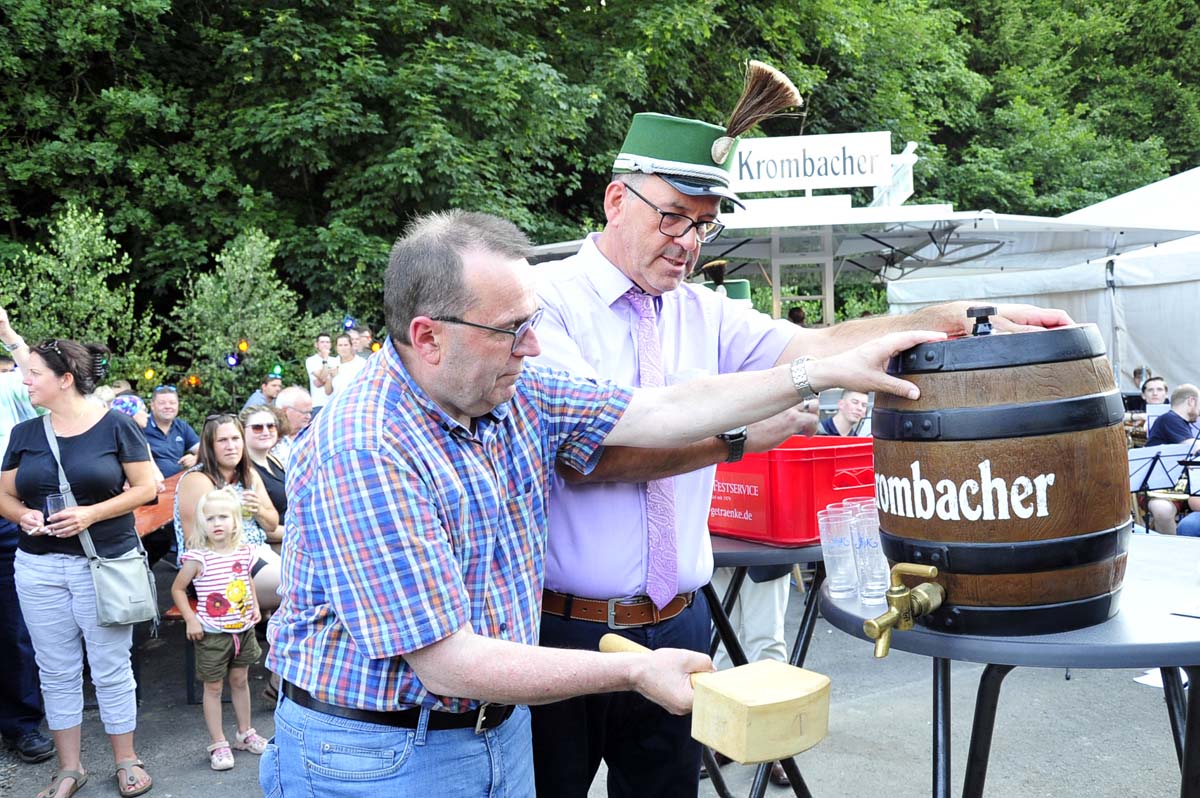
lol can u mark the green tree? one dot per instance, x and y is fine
(242, 299)
(77, 286)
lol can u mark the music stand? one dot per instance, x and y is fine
(1191, 475)
(1159, 467)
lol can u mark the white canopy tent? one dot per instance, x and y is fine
(1144, 299)
(1109, 264)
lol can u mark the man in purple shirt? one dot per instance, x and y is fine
(661, 205)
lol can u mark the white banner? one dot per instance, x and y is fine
(791, 163)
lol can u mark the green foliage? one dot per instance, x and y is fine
(242, 299)
(77, 286)
(328, 125)
(851, 300)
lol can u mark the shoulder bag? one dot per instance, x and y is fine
(125, 589)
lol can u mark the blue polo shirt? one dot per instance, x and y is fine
(167, 449)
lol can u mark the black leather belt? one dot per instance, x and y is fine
(487, 716)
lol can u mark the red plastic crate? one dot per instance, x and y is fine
(774, 497)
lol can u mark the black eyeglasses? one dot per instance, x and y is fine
(268, 426)
(676, 225)
(518, 334)
(165, 389)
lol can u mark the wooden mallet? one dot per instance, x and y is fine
(761, 712)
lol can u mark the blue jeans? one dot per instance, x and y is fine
(317, 754)
(20, 694)
(1189, 525)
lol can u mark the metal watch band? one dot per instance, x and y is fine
(800, 378)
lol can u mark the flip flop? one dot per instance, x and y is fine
(80, 777)
(127, 786)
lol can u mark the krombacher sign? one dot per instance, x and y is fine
(791, 163)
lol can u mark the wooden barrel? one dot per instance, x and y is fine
(1010, 475)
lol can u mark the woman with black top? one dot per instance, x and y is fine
(262, 425)
(100, 450)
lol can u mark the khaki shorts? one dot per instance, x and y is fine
(215, 654)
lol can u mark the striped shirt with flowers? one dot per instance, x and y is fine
(404, 526)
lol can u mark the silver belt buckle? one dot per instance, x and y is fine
(612, 613)
(481, 716)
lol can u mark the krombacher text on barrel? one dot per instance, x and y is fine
(988, 498)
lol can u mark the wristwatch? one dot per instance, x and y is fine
(800, 378)
(735, 439)
(14, 346)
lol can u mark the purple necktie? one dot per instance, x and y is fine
(662, 574)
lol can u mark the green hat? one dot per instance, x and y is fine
(695, 157)
(681, 152)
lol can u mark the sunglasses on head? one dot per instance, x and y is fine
(165, 389)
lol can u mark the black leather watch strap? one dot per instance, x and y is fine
(735, 439)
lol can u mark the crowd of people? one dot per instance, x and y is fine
(117, 450)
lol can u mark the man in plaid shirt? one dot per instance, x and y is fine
(406, 640)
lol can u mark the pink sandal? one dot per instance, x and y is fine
(219, 756)
(251, 741)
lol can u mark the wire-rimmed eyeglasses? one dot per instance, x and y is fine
(518, 333)
(676, 225)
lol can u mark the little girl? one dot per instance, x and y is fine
(218, 563)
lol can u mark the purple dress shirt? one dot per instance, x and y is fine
(598, 533)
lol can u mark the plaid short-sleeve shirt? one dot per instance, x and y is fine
(404, 526)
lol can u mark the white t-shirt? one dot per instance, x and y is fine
(346, 372)
(313, 365)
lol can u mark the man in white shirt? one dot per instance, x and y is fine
(320, 374)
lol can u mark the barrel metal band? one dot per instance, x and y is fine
(1000, 351)
(1007, 558)
(1037, 619)
(1000, 421)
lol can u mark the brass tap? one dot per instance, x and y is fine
(904, 605)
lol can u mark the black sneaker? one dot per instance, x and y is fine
(32, 746)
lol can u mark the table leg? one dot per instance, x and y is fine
(808, 621)
(1189, 786)
(759, 787)
(714, 772)
(986, 701)
(941, 728)
(720, 618)
(1176, 708)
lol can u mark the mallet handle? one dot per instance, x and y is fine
(615, 644)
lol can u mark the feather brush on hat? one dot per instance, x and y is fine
(767, 92)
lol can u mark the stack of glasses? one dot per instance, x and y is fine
(850, 547)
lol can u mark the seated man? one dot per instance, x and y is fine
(1154, 391)
(852, 408)
(1174, 427)
(173, 442)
